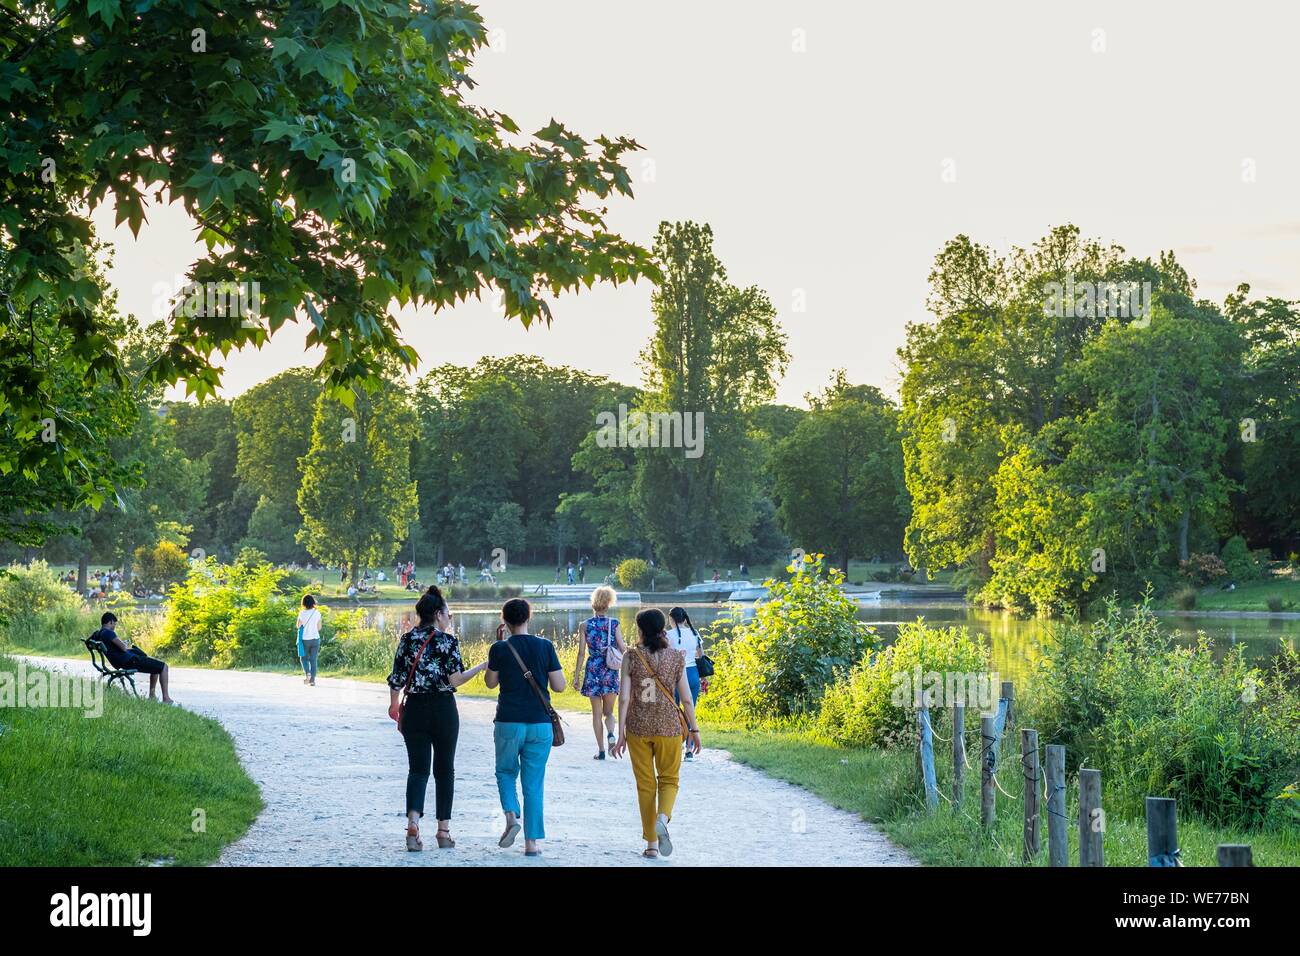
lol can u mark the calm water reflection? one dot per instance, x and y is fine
(1015, 642)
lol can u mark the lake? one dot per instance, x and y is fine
(1013, 640)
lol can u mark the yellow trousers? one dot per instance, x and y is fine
(656, 764)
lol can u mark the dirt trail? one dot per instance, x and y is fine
(332, 769)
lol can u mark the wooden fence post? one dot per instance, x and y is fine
(1234, 854)
(1029, 760)
(928, 778)
(1058, 838)
(1092, 819)
(987, 805)
(1162, 832)
(958, 752)
(1009, 692)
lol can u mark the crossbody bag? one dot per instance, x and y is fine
(557, 737)
(401, 706)
(681, 714)
(613, 656)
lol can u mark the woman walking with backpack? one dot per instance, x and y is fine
(604, 645)
(651, 726)
(427, 669)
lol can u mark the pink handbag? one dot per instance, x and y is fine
(613, 656)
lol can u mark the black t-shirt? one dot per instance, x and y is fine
(516, 701)
(114, 653)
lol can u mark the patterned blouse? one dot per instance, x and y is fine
(440, 660)
(650, 712)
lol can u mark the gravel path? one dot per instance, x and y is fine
(332, 769)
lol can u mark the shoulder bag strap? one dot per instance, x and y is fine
(681, 714)
(528, 676)
(411, 673)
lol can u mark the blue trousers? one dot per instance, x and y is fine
(311, 650)
(522, 752)
(693, 679)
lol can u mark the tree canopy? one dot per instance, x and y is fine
(326, 151)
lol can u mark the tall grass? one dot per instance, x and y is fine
(1157, 719)
(883, 787)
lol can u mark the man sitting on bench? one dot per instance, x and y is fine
(119, 655)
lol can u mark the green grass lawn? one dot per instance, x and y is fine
(122, 789)
(530, 576)
(882, 787)
(1281, 585)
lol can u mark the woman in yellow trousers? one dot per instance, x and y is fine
(651, 726)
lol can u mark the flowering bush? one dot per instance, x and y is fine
(1203, 569)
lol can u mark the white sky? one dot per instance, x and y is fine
(820, 171)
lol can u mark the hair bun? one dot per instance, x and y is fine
(433, 589)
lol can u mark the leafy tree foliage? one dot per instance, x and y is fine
(839, 475)
(358, 499)
(1059, 453)
(716, 350)
(327, 151)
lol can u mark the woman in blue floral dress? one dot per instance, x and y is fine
(599, 681)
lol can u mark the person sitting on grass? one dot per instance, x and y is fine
(131, 658)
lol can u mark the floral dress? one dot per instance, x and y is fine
(598, 678)
(439, 661)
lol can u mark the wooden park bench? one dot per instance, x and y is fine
(122, 676)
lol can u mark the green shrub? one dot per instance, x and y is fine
(776, 665)
(1184, 598)
(251, 557)
(1163, 720)
(1203, 569)
(300, 582)
(1276, 604)
(56, 630)
(662, 580)
(470, 592)
(633, 574)
(1241, 564)
(164, 564)
(874, 704)
(350, 645)
(33, 588)
(229, 615)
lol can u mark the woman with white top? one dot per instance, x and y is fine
(683, 638)
(309, 638)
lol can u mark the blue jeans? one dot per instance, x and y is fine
(310, 649)
(522, 752)
(693, 679)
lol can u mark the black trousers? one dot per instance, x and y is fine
(430, 727)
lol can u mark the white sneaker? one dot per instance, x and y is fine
(665, 844)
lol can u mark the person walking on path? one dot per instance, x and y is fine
(427, 669)
(309, 639)
(522, 731)
(651, 726)
(600, 676)
(684, 639)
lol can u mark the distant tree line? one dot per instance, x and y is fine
(506, 454)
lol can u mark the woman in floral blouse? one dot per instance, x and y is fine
(429, 667)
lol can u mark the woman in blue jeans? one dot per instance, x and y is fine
(522, 730)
